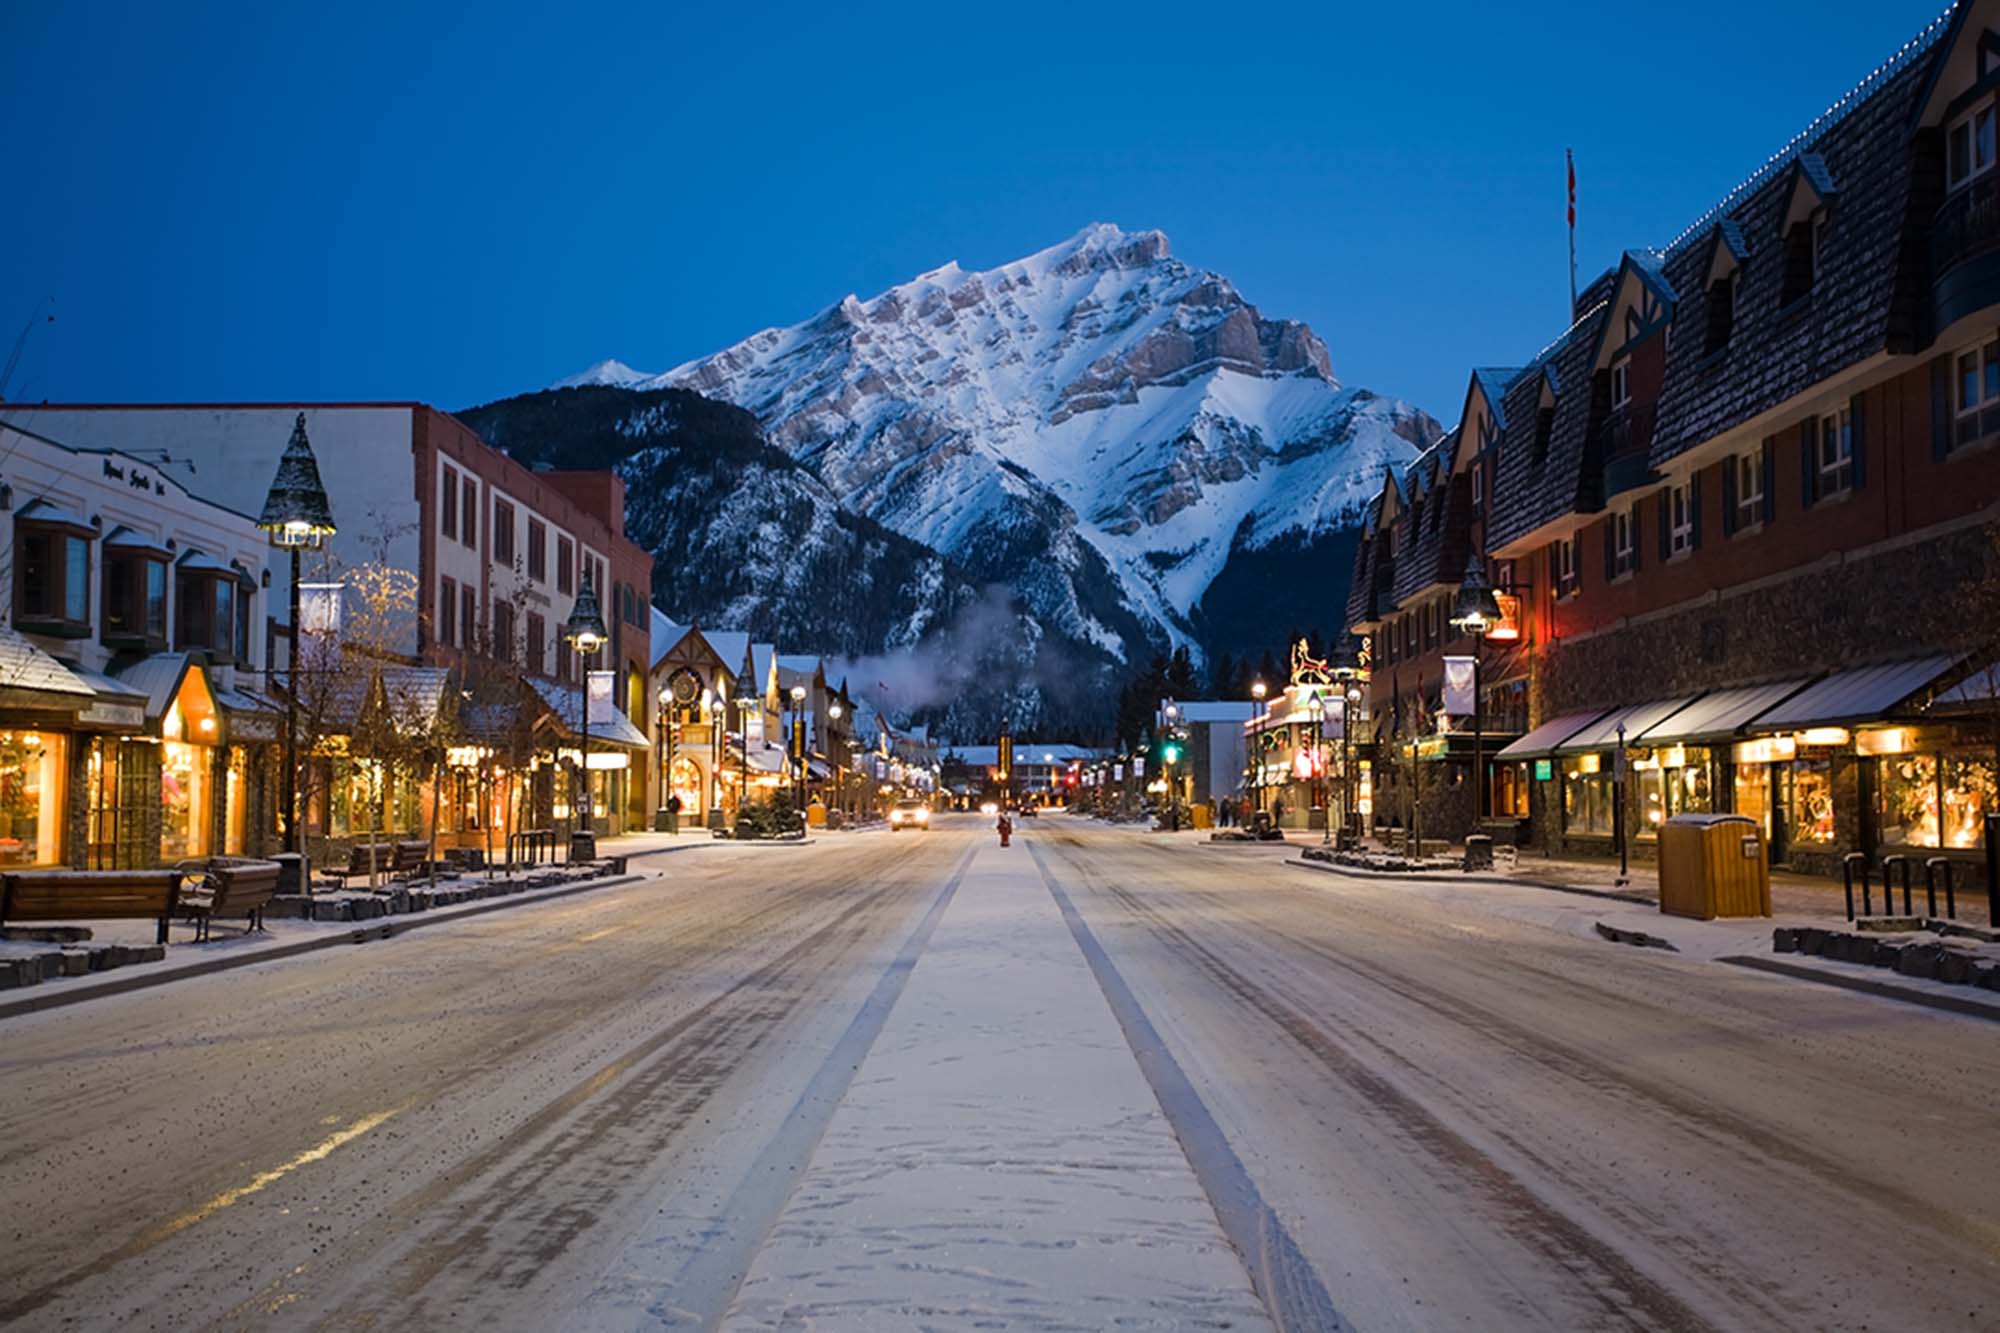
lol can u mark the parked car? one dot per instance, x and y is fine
(909, 814)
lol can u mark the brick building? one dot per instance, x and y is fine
(1743, 506)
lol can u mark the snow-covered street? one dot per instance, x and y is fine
(1096, 1079)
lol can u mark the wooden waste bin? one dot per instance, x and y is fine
(1714, 865)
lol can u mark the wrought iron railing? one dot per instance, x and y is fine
(1967, 225)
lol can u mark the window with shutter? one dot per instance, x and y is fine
(1680, 521)
(1834, 463)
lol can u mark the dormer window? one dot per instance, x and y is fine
(1803, 227)
(1721, 313)
(1621, 385)
(52, 564)
(1478, 484)
(1802, 249)
(1970, 147)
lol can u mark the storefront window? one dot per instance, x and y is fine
(30, 798)
(1809, 811)
(1587, 796)
(1969, 796)
(1909, 800)
(1753, 794)
(184, 796)
(1670, 782)
(123, 775)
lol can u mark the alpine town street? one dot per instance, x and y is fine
(1099, 1078)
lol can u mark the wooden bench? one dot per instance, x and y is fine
(412, 855)
(228, 886)
(90, 895)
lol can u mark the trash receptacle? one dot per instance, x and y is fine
(1714, 865)
(1204, 815)
(1478, 852)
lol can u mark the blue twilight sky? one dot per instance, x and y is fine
(367, 200)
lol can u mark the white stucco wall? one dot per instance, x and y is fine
(364, 453)
(149, 499)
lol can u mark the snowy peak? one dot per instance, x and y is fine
(609, 371)
(1099, 425)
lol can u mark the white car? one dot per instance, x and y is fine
(909, 814)
(990, 808)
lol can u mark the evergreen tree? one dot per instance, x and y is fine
(1222, 677)
(1180, 681)
(1267, 671)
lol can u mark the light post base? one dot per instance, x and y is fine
(582, 845)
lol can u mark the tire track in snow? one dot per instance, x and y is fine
(1283, 1277)
(1624, 1292)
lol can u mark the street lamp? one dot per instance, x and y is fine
(1316, 709)
(1258, 689)
(834, 713)
(663, 757)
(1351, 813)
(1476, 612)
(585, 633)
(296, 516)
(799, 746)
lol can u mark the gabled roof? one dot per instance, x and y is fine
(667, 634)
(731, 645)
(158, 678)
(1492, 382)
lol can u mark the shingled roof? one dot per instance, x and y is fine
(1867, 292)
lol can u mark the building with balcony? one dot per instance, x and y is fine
(1744, 505)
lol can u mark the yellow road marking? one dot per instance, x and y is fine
(264, 1179)
(599, 934)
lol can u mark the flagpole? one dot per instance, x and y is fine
(1569, 160)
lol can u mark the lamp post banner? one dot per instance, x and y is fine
(1458, 686)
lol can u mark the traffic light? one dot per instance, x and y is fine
(1171, 753)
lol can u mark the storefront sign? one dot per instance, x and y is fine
(1508, 628)
(103, 713)
(1545, 770)
(1433, 747)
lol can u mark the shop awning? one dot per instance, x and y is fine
(1864, 694)
(1544, 739)
(1603, 733)
(1717, 715)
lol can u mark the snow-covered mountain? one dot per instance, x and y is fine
(1099, 426)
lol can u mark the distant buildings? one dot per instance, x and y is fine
(1741, 512)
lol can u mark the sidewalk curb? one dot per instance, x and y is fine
(1414, 877)
(390, 927)
(1950, 1004)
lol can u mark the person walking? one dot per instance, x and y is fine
(1005, 827)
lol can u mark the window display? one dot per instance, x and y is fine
(1670, 782)
(1908, 802)
(1587, 796)
(30, 813)
(1932, 800)
(1967, 797)
(1809, 813)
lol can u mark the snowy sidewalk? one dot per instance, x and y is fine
(999, 1158)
